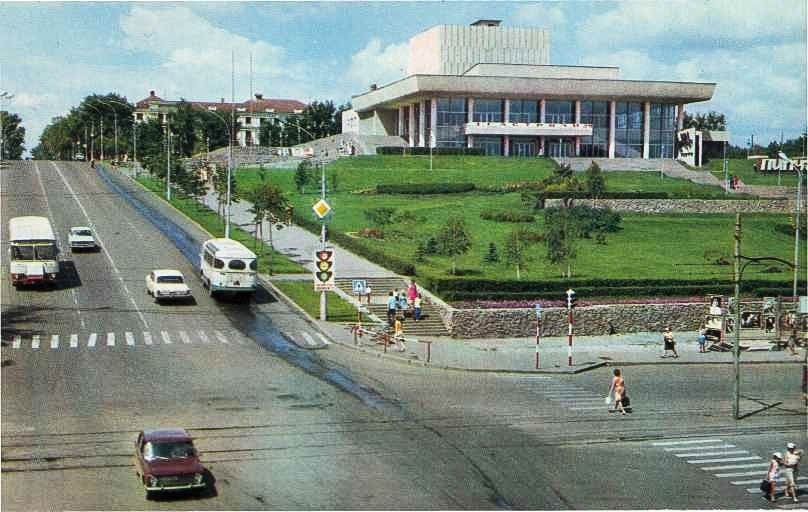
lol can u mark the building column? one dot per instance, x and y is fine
(400, 121)
(470, 139)
(646, 130)
(507, 118)
(506, 145)
(541, 145)
(541, 111)
(612, 108)
(680, 116)
(433, 123)
(700, 144)
(412, 125)
(421, 123)
(578, 121)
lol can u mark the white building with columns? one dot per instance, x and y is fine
(492, 87)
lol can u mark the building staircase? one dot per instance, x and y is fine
(430, 324)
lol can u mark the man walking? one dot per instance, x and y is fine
(392, 302)
(670, 344)
(791, 464)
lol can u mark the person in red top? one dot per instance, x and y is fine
(412, 292)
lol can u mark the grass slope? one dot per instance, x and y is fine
(303, 294)
(745, 170)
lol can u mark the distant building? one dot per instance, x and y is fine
(493, 87)
(250, 115)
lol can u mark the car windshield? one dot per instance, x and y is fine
(169, 450)
(82, 232)
(170, 279)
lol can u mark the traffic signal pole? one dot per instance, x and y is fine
(323, 297)
(570, 303)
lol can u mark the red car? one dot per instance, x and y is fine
(166, 460)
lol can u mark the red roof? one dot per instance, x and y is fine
(278, 104)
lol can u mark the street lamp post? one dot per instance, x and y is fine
(229, 167)
(101, 117)
(782, 156)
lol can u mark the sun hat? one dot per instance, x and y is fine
(791, 446)
(777, 455)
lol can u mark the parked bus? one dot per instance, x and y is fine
(227, 266)
(32, 250)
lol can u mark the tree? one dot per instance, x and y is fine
(595, 182)
(303, 175)
(271, 133)
(220, 187)
(184, 123)
(269, 204)
(709, 121)
(190, 181)
(515, 250)
(491, 256)
(560, 238)
(453, 239)
(13, 136)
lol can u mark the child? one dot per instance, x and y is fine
(702, 339)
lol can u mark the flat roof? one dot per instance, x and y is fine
(228, 248)
(30, 228)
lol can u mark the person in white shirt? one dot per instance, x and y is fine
(791, 464)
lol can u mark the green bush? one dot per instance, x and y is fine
(397, 150)
(380, 216)
(424, 188)
(506, 216)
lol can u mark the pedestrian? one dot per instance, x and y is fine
(417, 305)
(392, 305)
(402, 303)
(792, 343)
(618, 387)
(368, 293)
(670, 344)
(702, 339)
(772, 475)
(791, 465)
(398, 334)
(412, 292)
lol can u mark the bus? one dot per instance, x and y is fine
(227, 266)
(32, 251)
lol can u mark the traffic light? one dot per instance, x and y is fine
(324, 275)
(572, 299)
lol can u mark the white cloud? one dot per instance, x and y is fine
(378, 64)
(540, 15)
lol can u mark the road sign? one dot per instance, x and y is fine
(324, 270)
(359, 286)
(538, 311)
(321, 208)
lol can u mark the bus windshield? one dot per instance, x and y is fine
(33, 252)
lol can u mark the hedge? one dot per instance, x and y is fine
(397, 265)
(398, 150)
(424, 188)
(506, 216)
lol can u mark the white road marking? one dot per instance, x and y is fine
(110, 339)
(711, 454)
(54, 341)
(184, 337)
(91, 340)
(204, 337)
(737, 466)
(325, 340)
(577, 400)
(761, 472)
(147, 339)
(779, 480)
(17, 342)
(590, 408)
(756, 490)
(166, 337)
(309, 340)
(76, 302)
(569, 393)
(683, 448)
(35, 341)
(130, 338)
(698, 441)
(74, 341)
(729, 459)
(220, 337)
(91, 225)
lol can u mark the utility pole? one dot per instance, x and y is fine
(230, 136)
(168, 158)
(102, 138)
(323, 296)
(736, 351)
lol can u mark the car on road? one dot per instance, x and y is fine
(167, 284)
(166, 460)
(81, 237)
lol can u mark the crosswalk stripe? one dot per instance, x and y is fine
(589, 408)
(110, 339)
(737, 466)
(577, 400)
(756, 490)
(696, 441)
(220, 337)
(147, 339)
(309, 340)
(166, 337)
(729, 459)
(570, 393)
(325, 340)
(184, 337)
(17, 342)
(746, 473)
(35, 341)
(683, 448)
(203, 337)
(130, 338)
(74, 341)
(91, 340)
(757, 481)
(710, 454)
(54, 341)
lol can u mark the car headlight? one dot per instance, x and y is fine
(153, 481)
(198, 478)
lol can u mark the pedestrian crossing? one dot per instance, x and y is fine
(128, 339)
(565, 394)
(309, 340)
(727, 461)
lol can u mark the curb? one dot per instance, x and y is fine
(300, 311)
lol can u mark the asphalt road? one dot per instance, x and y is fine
(279, 427)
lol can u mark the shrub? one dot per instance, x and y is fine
(431, 246)
(380, 216)
(491, 256)
(424, 188)
(506, 216)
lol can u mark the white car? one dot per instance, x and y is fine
(167, 285)
(81, 237)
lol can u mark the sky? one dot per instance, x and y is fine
(52, 54)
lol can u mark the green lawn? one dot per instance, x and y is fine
(303, 294)
(269, 261)
(648, 246)
(745, 170)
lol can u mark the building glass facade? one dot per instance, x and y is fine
(428, 123)
(663, 130)
(595, 113)
(524, 111)
(488, 110)
(628, 128)
(523, 146)
(452, 115)
(559, 112)
(492, 145)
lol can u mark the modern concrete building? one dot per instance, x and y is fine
(492, 87)
(250, 114)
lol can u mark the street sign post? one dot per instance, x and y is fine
(571, 301)
(324, 270)
(538, 331)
